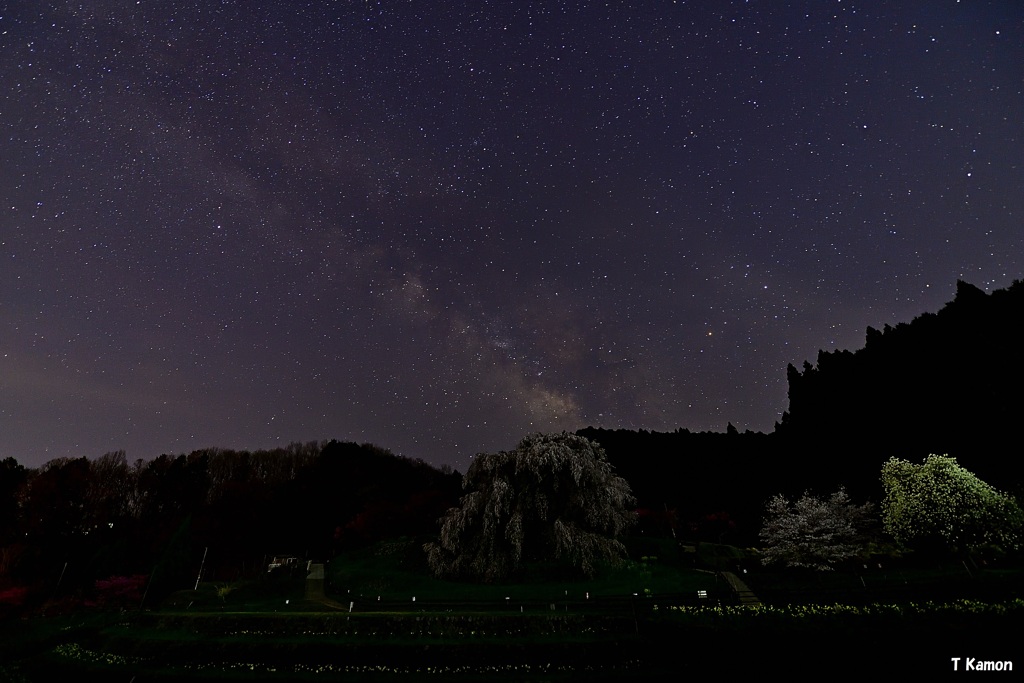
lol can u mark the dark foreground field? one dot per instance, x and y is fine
(641, 622)
(656, 645)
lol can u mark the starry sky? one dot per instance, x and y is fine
(440, 226)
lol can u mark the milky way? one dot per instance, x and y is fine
(441, 226)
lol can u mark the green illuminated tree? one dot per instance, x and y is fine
(813, 532)
(940, 505)
(555, 497)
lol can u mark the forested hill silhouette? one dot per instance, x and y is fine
(309, 500)
(947, 382)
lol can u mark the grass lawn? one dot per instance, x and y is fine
(396, 572)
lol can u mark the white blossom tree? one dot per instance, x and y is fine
(813, 532)
(940, 505)
(555, 497)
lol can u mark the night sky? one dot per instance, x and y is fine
(440, 226)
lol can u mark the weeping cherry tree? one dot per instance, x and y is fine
(555, 497)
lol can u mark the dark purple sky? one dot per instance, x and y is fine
(440, 226)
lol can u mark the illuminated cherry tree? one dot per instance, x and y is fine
(813, 532)
(555, 497)
(940, 505)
